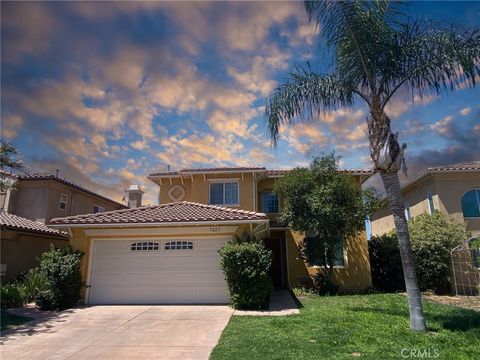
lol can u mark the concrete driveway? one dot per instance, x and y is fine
(120, 332)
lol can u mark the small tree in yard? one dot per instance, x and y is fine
(327, 206)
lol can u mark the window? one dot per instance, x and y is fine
(408, 213)
(224, 193)
(431, 206)
(269, 202)
(98, 209)
(340, 256)
(144, 246)
(179, 245)
(63, 201)
(471, 203)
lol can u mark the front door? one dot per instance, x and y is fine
(276, 270)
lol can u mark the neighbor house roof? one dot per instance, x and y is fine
(180, 212)
(40, 176)
(14, 222)
(473, 166)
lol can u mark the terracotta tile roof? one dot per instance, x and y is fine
(281, 172)
(212, 169)
(269, 172)
(41, 176)
(452, 168)
(14, 222)
(166, 213)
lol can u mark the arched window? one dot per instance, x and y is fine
(431, 206)
(144, 246)
(179, 245)
(471, 203)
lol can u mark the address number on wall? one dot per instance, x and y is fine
(215, 229)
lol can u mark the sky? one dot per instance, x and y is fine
(110, 92)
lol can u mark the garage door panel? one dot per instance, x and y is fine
(123, 276)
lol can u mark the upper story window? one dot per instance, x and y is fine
(63, 201)
(179, 245)
(223, 193)
(98, 209)
(408, 213)
(145, 246)
(431, 205)
(269, 202)
(471, 203)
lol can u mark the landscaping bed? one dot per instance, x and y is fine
(346, 327)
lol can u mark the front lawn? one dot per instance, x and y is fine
(8, 320)
(346, 327)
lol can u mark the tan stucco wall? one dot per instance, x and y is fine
(20, 251)
(198, 190)
(354, 276)
(447, 190)
(40, 200)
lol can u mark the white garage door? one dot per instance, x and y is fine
(157, 272)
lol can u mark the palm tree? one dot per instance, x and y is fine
(377, 52)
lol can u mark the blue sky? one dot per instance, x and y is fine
(109, 92)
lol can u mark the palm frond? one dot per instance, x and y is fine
(305, 93)
(425, 58)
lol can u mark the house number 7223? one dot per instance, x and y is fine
(214, 229)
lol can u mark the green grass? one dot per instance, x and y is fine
(8, 320)
(342, 327)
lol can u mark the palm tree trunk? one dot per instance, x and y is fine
(397, 205)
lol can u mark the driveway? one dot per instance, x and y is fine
(120, 332)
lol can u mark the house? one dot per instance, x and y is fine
(22, 242)
(168, 253)
(33, 201)
(451, 189)
(41, 197)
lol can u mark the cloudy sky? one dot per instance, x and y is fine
(109, 92)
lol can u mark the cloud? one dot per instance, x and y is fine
(466, 111)
(11, 124)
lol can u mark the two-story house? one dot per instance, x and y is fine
(168, 253)
(27, 208)
(450, 189)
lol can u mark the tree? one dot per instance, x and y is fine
(327, 206)
(377, 52)
(8, 161)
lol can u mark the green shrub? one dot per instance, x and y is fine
(34, 282)
(432, 237)
(12, 295)
(385, 263)
(61, 267)
(246, 268)
(323, 285)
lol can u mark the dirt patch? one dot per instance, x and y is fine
(466, 302)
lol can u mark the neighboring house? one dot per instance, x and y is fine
(451, 189)
(33, 201)
(168, 253)
(41, 197)
(22, 242)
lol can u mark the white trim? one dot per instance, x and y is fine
(224, 180)
(89, 272)
(161, 231)
(180, 223)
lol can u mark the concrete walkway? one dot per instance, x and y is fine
(119, 332)
(281, 304)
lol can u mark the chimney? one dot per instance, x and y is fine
(134, 196)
